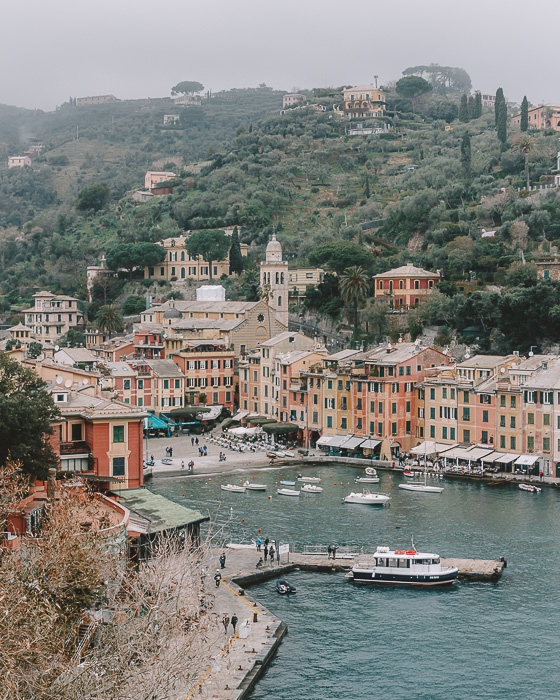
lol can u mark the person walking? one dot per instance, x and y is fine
(196, 441)
(334, 548)
(182, 464)
(171, 452)
(192, 442)
(217, 578)
(225, 623)
(234, 621)
(329, 551)
(271, 554)
(265, 551)
(223, 560)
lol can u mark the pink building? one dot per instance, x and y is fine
(19, 162)
(152, 178)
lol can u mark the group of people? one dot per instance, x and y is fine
(226, 622)
(331, 551)
(222, 456)
(267, 548)
(203, 451)
(169, 452)
(190, 466)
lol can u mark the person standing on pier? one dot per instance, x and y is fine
(271, 554)
(234, 621)
(259, 544)
(223, 560)
(265, 551)
(217, 578)
(225, 623)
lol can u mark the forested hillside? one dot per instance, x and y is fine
(424, 191)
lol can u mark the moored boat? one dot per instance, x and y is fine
(370, 471)
(530, 487)
(311, 488)
(284, 588)
(367, 498)
(287, 492)
(424, 488)
(403, 567)
(233, 487)
(366, 480)
(408, 473)
(309, 479)
(288, 483)
(254, 487)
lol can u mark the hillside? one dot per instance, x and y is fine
(422, 191)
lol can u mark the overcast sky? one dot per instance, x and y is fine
(54, 49)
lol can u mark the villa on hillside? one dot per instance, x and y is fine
(405, 287)
(363, 101)
(19, 162)
(543, 116)
(52, 315)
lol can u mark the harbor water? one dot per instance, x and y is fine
(473, 640)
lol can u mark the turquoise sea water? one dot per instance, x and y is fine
(475, 640)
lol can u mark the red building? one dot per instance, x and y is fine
(405, 287)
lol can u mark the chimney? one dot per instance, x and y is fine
(51, 485)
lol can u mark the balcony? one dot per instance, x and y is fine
(78, 447)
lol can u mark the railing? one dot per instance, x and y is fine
(84, 640)
(321, 550)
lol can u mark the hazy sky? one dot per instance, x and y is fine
(53, 49)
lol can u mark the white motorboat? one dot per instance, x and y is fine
(233, 487)
(289, 453)
(254, 487)
(370, 471)
(279, 454)
(530, 487)
(309, 479)
(403, 567)
(288, 492)
(288, 483)
(312, 488)
(366, 480)
(367, 498)
(423, 488)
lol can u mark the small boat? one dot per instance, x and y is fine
(311, 488)
(424, 488)
(367, 498)
(254, 487)
(288, 483)
(366, 480)
(233, 487)
(284, 588)
(370, 471)
(408, 473)
(288, 492)
(271, 455)
(530, 487)
(288, 453)
(308, 479)
(403, 567)
(166, 460)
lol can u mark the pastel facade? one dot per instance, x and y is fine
(363, 101)
(152, 178)
(95, 100)
(300, 278)
(52, 315)
(179, 265)
(292, 98)
(19, 162)
(543, 116)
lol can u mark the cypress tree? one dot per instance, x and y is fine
(497, 105)
(471, 107)
(466, 154)
(502, 122)
(463, 109)
(478, 105)
(367, 192)
(524, 114)
(235, 257)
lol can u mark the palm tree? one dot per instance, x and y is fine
(354, 288)
(525, 145)
(109, 319)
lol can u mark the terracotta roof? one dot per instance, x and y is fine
(408, 270)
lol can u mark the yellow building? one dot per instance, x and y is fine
(363, 101)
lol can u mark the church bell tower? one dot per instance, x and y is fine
(274, 278)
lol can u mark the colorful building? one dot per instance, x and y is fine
(405, 287)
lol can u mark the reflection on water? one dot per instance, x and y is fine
(472, 641)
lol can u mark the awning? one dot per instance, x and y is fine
(337, 440)
(160, 512)
(352, 442)
(370, 444)
(244, 431)
(477, 453)
(508, 458)
(323, 440)
(430, 448)
(493, 457)
(527, 460)
(458, 453)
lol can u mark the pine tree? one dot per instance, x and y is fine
(466, 154)
(464, 109)
(524, 114)
(235, 257)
